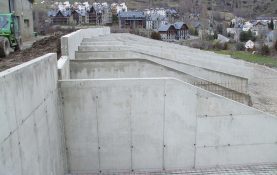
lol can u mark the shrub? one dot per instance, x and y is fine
(219, 28)
(240, 47)
(193, 31)
(215, 35)
(225, 46)
(219, 46)
(245, 36)
(206, 45)
(265, 50)
(209, 37)
(156, 35)
(201, 44)
(196, 32)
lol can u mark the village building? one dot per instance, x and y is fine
(60, 17)
(95, 15)
(79, 17)
(80, 13)
(260, 28)
(106, 14)
(171, 32)
(268, 19)
(181, 30)
(118, 8)
(154, 21)
(167, 32)
(22, 11)
(132, 19)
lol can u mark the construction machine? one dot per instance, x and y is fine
(10, 36)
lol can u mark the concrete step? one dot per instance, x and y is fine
(103, 48)
(104, 54)
(98, 39)
(102, 43)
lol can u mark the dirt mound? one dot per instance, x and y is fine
(51, 44)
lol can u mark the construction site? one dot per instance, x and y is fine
(117, 103)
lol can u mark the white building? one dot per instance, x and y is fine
(247, 26)
(155, 18)
(117, 8)
(154, 21)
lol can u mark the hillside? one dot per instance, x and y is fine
(247, 8)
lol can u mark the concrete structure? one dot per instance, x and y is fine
(23, 10)
(71, 41)
(119, 110)
(32, 138)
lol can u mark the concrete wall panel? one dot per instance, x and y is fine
(236, 130)
(10, 156)
(114, 128)
(211, 105)
(163, 121)
(235, 155)
(147, 125)
(180, 126)
(81, 130)
(29, 101)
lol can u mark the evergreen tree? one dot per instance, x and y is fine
(271, 25)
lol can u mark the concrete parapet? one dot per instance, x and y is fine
(31, 124)
(70, 42)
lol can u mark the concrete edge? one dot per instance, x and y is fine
(63, 67)
(26, 64)
(163, 78)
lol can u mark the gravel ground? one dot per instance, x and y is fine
(263, 88)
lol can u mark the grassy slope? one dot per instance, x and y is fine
(259, 59)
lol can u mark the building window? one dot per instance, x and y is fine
(26, 23)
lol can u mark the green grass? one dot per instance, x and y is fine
(259, 59)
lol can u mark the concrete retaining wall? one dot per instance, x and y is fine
(141, 68)
(70, 42)
(233, 82)
(31, 124)
(156, 124)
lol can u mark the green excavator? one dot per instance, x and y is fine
(10, 36)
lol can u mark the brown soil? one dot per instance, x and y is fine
(46, 45)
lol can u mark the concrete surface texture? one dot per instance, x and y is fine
(231, 81)
(141, 68)
(31, 124)
(63, 68)
(261, 80)
(70, 42)
(129, 104)
(161, 123)
(265, 169)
